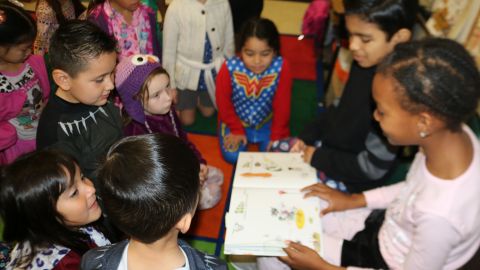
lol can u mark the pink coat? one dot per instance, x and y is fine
(11, 103)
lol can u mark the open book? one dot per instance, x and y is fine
(267, 207)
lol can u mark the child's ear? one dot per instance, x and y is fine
(62, 79)
(184, 224)
(426, 123)
(402, 35)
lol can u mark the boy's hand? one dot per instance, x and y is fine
(298, 146)
(232, 141)
(203, 174)
(308, 153)
(337, 200)
(302, 257)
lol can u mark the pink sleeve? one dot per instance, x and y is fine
(281, 105)
(37, 62)
(10, 105)
(381, 197)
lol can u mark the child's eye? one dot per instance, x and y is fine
(366, 40)
(73, 194)
(99, 80)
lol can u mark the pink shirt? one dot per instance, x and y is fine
(430, 223)
(135, 37)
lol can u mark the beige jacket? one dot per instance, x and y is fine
(186, 23)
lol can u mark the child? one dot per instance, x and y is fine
(154, 208)
(133, 24)
(79, 119)
(24, 85)
(197, 36)
(352, 149)
(50, 14)
(49, 210)
(424, 92)
(253, 91)
(143, 86)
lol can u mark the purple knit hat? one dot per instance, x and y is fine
(130, 75)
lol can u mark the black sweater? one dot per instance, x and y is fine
(353, 149)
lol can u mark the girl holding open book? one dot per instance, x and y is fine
(424, 91)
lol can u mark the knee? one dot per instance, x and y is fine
(187, 119)
(207, 111)
(230, 157)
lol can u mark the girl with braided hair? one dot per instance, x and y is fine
(424, 91)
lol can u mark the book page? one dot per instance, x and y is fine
(263, 170)
(261, 220)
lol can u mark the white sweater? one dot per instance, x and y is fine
(186, 23)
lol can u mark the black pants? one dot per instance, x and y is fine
(363, 250)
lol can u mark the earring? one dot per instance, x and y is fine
(423, 134)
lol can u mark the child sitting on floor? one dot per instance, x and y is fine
(253, 92)
(154, 208)
(144, 86)
(344, 143)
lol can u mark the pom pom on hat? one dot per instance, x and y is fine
(130, 75)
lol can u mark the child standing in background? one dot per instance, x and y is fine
(253, 91)
(79, 119)
(197, 37)
(344, 143)
(50, 14)
(24, 85)
(143, 86)
(50, 212)
(424, 92)
(133, 24)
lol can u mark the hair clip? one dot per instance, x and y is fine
(3, 16)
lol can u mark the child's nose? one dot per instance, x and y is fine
(110, 82)
(354, 44)
(257, 59)
(89, 188)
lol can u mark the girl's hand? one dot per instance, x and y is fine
(337, 200)
(308, 153)
(298, 146)
(203, 173)
(232, 141)
(302, 257)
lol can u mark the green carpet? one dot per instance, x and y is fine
(303, 110)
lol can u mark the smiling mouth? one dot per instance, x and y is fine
(93, 205)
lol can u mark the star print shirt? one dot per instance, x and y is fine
(246, 99)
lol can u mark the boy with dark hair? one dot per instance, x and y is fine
(153, 209)
(345, 143)
(79, 119)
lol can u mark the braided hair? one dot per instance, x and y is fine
(435, 75)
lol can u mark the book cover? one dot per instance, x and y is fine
(267, 207)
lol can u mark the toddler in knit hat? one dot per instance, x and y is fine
(144, 87)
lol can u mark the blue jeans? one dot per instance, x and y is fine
(260, 136)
